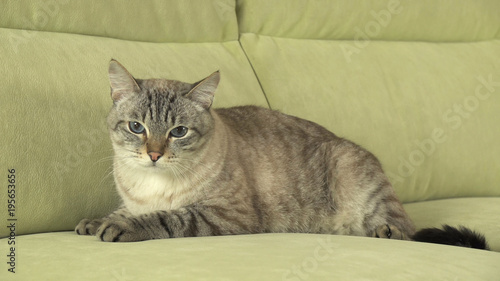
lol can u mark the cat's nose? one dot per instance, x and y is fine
(154, 156)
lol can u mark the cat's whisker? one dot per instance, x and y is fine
(197, 176)
(177, 173)
(105, 159)
(109, 171)
(179, 166)
(184, 172)
(197, 163)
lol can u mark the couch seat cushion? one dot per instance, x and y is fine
(67, 256)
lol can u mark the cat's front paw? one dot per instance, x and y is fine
(119, 231)
(88, 227)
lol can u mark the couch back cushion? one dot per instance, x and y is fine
(55, 92)
(149, 21)
(391, 20)
(415, 82)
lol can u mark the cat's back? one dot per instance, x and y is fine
(257, 123)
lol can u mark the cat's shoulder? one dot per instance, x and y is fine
(261, 117)
(244, 109)
(251, 112)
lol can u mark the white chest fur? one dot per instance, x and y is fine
(147, 191)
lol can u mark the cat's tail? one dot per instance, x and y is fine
(449, 235)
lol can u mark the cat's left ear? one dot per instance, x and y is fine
(203, 91)
(122, 83)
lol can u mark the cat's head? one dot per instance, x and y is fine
(157, 124)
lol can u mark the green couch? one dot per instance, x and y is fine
(415, 82)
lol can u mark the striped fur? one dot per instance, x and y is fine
(237, 171)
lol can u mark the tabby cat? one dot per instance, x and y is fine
(185, 169)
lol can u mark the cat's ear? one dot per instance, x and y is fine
(203, 91)
(122, 83)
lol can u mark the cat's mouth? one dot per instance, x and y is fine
(157, 166)
(153, 165)
(149, 165)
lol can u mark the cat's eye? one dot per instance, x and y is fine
(179, 132)
(136, 127)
